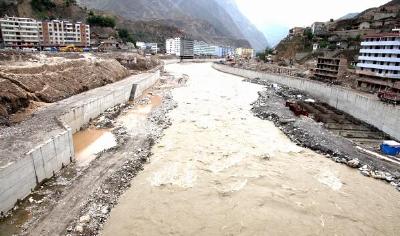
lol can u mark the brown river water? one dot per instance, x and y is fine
(221, 171)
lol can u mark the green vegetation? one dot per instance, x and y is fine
(126, 36)
(263, 55)
(102, 21)
(324, 43)
(42, 5)
(308, 34)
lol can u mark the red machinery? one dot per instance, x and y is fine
(296, 108)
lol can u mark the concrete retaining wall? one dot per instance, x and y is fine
(367, 108)
(112, 95)
(18, 179)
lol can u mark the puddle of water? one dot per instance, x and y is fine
(11, 226)
(209, 175)
(88, 143)
(134, 118)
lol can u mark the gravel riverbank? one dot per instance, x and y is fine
(308, 133)
(90, 191)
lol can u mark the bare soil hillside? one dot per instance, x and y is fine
(40, 78)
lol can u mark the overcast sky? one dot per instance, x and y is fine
(275, 17)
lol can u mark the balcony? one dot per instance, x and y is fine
(385, 51)
(384, 59)
(379, 67)
(381, 75)
(381, 43)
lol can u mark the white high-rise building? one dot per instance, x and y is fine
(170, 46)
(19, 32)
(153, 47)
(199, 47)
(173, 46)
(379, 62)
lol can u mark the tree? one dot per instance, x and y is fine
(42, 5)
(126, 36)
(269, 50)
(324, 43)
(308, 34)
(102, 21)
(261, 55)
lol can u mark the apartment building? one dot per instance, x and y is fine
(153, 47)
(319, 29)
(200, 48)
(296, 31)
(170, 46)
(378, 65)
(186, 48)
(149, 47)
(212, 51)
(248, 53)
(18, 32)
(173, 46)
(62, 33)
(330, 69)
(204, 49)
(228, 51)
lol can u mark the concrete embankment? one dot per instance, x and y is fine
(37, 148)
(367, 108)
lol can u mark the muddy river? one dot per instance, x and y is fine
(221, 171)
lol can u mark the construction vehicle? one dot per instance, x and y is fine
(71, 48)
(389, 97)
(296, 108)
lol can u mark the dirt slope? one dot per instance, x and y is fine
(52, 79)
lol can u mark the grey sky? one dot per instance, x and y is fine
(291, 13)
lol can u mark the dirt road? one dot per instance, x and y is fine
(219, 170)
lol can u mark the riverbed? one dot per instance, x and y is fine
(219, 170)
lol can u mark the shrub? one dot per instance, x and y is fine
(102, 21)
(42, 5)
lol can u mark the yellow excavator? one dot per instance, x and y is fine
(71, 48)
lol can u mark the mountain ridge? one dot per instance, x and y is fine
(223, 15)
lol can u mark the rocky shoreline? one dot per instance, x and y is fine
(308, 133)
(93, 215)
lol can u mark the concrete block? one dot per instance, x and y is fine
(16, 182)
